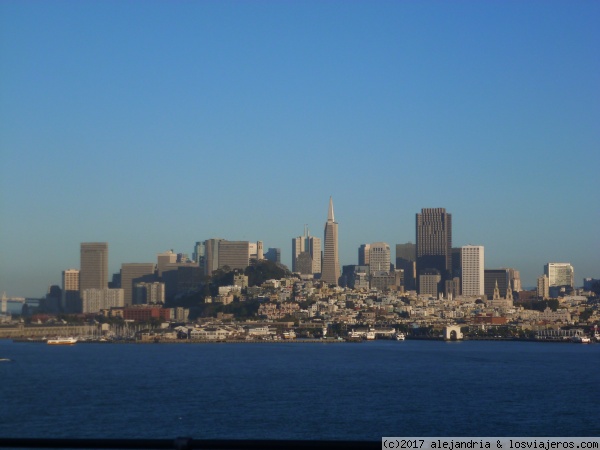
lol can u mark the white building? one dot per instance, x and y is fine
(472, 259)
(95, 300)
(560, 274)
(379, 257)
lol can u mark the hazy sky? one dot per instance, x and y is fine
(151, 125)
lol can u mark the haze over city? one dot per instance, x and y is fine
(154, 125)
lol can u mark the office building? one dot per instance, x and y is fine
(434, 241)
(496, 278)
(406, 257)
(70, 298)
(543, 287)
(148, 293)
(133, 273)
(95, 300)
(379, 257)
(274, 255)
(93, 270)
(560, 274)
(164, 259)
(310, 245)
(331, 263)
(429, 282)
(473, 281)
(363, 254)
(211, 259)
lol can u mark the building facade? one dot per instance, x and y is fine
(560, 274)
(94, 300)
(310, 245)
(70, 298)
(132, 273)
(379, 257)
(93, 270)
(473, 276)
(434, 241)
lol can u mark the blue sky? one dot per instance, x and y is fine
(152, 125)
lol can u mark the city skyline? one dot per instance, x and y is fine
(238, 119)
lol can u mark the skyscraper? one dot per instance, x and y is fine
(434, 241)
(331, 263)
(473, 280)
(560, 274)
(307, 244)
(406, 256)
(133, 273)
(93, 272)
(379, 257)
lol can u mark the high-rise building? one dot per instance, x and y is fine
(70, 300)
(235, 254)
(406, 257)
(496, 278)
(274, 255)
(472, 257)
(434, 241)
(543, 287)
(306, 244)
(93, 273)
(198, 254)
(363, 254)
(94, 300)
(211, 259)
(164, 259)
(133, 273)
(148, 293)
(331, 263)
(560, 274)
(429, 282)
(379, 257)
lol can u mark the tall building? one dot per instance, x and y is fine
(306, 244)
(434, 241)
(560, 274)
(473, 280)
(406, 257)
(70, 300)
(133, 273)
(164, 259)
(94, 300)
(363, 254)
(497, 278)
(331, 263)
(273, 255)
(235, 254)
(93, 273)
(211, 259)
(543, 287)
(198, 254)
(379, 257)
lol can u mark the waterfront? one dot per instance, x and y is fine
(278, 391)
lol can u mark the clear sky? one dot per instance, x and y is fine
(151, 125)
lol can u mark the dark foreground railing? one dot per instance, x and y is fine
(184, 443)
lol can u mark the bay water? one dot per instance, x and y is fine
(284, 390)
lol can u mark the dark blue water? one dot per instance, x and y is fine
(300, 391)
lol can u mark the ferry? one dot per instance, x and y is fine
(291, 334)
(581, 339)
(400, 336)
(62, 341)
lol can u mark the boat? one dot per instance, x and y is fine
(290, 334)
(400, 336)
(370, 335)
(355, 336)
(62, 341)
(5, 360)
(581, 339)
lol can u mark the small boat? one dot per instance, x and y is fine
(5, 360)
(581, 339)
(400, 336)
(62, 341)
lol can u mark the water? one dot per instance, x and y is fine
(300, 391)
